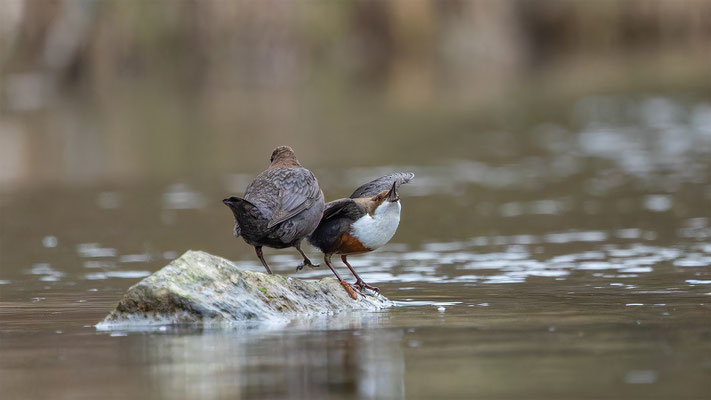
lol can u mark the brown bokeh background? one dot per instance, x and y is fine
(95, 91)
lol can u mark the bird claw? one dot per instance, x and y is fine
(362, 286)
(304, 264)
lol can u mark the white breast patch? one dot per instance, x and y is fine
(375, 231)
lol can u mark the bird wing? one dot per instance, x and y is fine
(383, 183)
(297, 190)
(337, 219)
(347, 208)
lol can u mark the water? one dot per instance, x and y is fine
(568, 259)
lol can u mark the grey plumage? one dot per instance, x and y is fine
(280, 207)
(346, 207)
(281, 193)
(383, 183)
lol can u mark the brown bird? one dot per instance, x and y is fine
(360, 223)
(282, 206)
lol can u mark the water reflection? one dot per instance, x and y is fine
(181, 196)
(48, 274)
(296, 364)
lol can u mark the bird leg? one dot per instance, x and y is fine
(306, 261)
(349, 289)
(359, 282)
(261, 258)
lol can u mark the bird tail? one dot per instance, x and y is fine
(239, 206)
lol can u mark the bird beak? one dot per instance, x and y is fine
(228, 202)
(392, 194)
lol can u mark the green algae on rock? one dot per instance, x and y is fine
(200, 288)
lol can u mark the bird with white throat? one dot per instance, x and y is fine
(363, 222)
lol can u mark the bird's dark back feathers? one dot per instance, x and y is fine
(337, 219)
(283, 192)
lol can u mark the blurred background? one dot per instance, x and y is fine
(560, 211)
(120, 91)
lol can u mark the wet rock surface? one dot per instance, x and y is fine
(200, 288)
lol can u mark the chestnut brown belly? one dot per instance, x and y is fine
(348, 244)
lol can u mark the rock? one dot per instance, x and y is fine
(199, 288)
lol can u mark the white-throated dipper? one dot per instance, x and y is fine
(282, 206)
(360, 223)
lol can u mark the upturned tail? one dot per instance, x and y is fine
(239, 207)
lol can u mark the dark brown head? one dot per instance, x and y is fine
(284, 156)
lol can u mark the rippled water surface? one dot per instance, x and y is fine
(569, 260)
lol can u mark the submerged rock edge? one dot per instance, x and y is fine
(199, 288)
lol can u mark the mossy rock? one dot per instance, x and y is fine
(200, 288)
